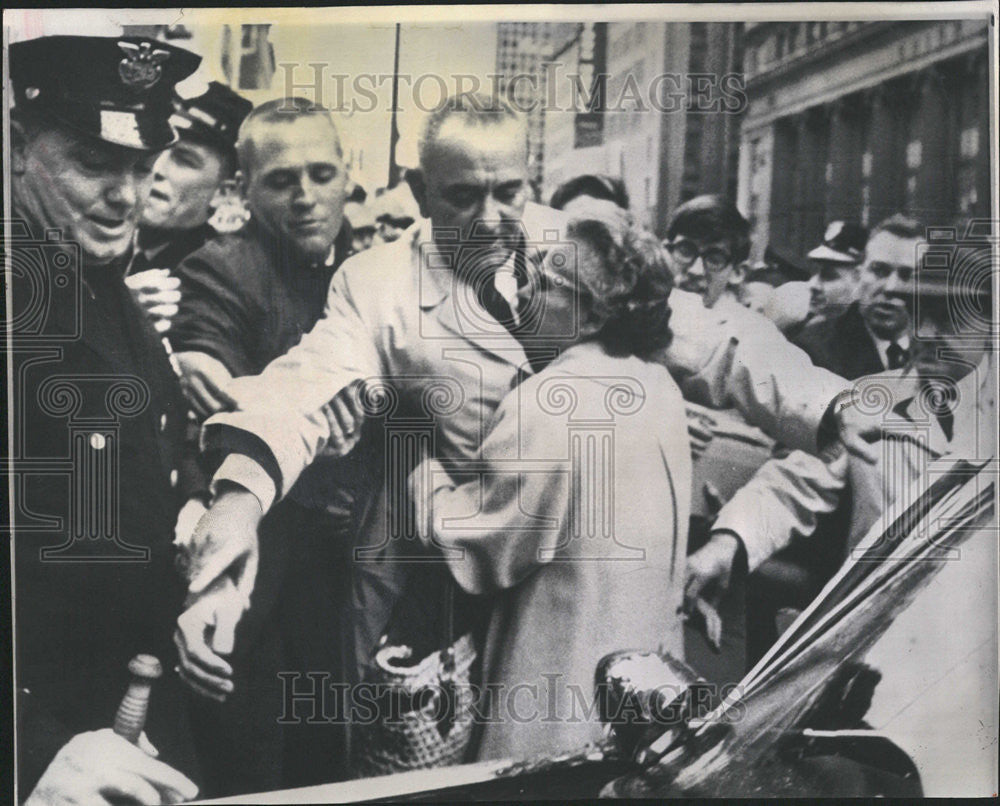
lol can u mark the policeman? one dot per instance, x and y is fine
(835, 264)
(93, 554)
(188, 183)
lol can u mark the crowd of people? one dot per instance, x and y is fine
(416, 419)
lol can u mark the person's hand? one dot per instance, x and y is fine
(158, 292)
(187, 521)
(856, 430)
(345, 415)
(701, 430)
(225, 541)
(204, 380)
(708, 573)
(206, 631)
(102, 767)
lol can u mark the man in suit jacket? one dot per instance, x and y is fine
(99, 420)
(872, 335)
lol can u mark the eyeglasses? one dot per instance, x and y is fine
(686, 252)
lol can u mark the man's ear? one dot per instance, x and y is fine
(18, 147)
(415, 179)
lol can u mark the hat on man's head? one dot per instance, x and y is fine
(782, 267)
(843, 242)
(215, 116)
(118, 89)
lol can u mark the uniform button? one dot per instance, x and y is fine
(163, 422)
(173, 477)
(97, 441)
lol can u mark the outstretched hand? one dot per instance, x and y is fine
(225, 542)
(709, 571)
(206, 632)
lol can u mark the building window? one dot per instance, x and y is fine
(867, 159)
(965, 178)
(969, 143)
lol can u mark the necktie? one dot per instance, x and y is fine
(498, 293)
(896, 356)
(943, 407)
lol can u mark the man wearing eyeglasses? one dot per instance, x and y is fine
(707, 239)
(872, 335)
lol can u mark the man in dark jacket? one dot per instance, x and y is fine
(248, 298)
(99, 422)
(872, 335)
(835, 266)
(187, 183)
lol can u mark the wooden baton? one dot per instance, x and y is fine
(131, 716)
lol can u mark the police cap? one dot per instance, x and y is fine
(119, 89)
(214, 117)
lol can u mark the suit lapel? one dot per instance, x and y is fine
(455, 306)
(859, 349)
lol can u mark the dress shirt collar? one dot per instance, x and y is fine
(882, 345)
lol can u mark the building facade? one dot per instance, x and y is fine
(668, 119)
(851, 120)
(522, 48)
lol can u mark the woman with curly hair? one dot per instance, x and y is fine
(576, 515)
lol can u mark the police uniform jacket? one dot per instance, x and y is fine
(99, 426)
